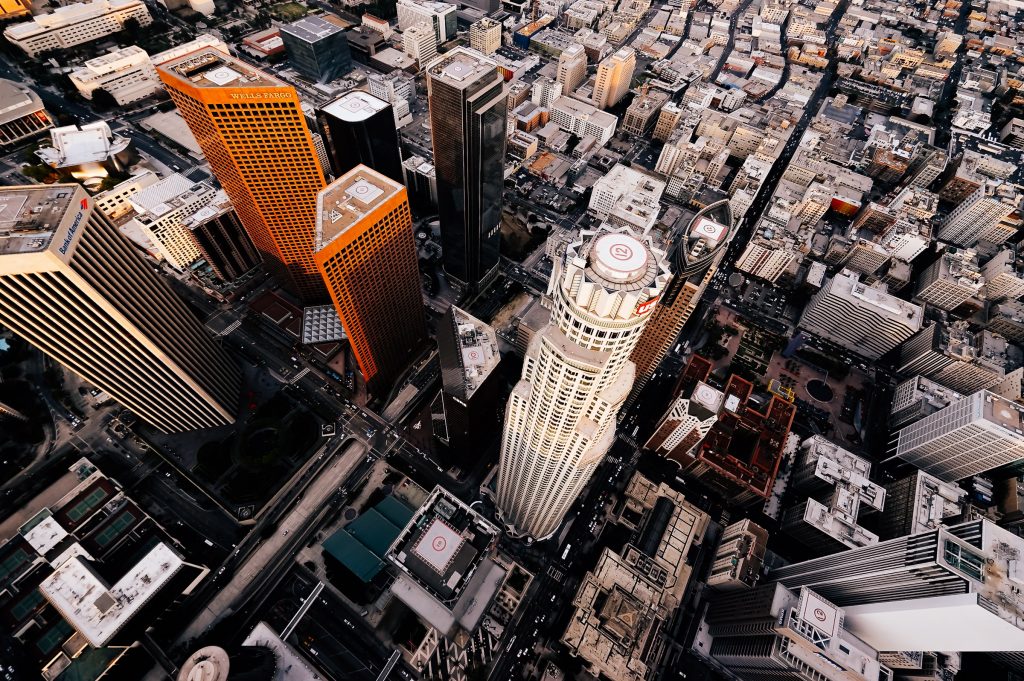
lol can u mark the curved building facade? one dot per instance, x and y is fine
(560, 418)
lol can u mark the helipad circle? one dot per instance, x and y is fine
(439, 544)
(619, 257)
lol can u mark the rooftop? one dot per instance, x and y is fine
(312, 28)
(17, 101)
(211, 68)
(29, 216)
(478, 349)
(355, 106)
(878, 299)
(461, 67)
(347, 200)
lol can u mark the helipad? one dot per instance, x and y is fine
(438, 545)
(619, 257)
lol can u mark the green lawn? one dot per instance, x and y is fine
(288, 11)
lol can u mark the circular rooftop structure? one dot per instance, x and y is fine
(206, 664)
(620, 258)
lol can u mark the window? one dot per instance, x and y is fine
(964, 560)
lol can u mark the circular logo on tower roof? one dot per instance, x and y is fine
(819, 614)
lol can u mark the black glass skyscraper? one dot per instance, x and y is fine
(359, 128)
(467, 123)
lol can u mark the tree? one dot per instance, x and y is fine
(103, 100)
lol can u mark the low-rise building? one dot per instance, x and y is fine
(75, 24)
(583, 119)
(22, 114)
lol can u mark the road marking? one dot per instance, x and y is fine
(310, 600)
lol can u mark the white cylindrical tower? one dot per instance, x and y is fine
(560, 418)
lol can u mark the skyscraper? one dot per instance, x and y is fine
(73, 287)
(614, 76)
(467, 122)
(693, 261)
(317, 48)
(560, 418)
(251, 129)
(945, 589)
(572, 68)
(980, 214)
(359, 128)
(222, 240)
(367, 257)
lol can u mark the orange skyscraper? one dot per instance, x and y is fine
(367, 256)
(251, 129)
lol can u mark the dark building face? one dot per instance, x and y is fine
(467, 122)
(359, 129)
(317, 48)
(222, 240)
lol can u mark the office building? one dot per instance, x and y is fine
(221, 240)
(572, 67)
(951, 589)
(617, 184)
(694, 255)
(420, 43)
(614, 76)
(642, 113)
(421, 181)
(950, 281)
(544, 91)
(444, 558)
(23, 115)
(1004, 276)
(75, 24)
(560, 418)
(865, 320)
(439, 16)
(366, 254)
(975, 434)
(919, 503)
(773, 632)
(359, 129)
(1006, 319)
(916, 398)
(467, 350)
(317, 47)
(144, 347)
(485, 35)
(467, 123)
(161, 211)
(688, 420)
(739, 558)
(620, 613)
(979, 216)
(583, 119)
(957, 358)
(836, 486)
(668, 118)
(252, 131)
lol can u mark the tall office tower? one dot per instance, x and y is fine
(862, 319)
(952, 588)
(979, 216)
(218, 234)
(772, 632)
(317, 48)
(960, 359)
(420, 42)
(572, 67)
(694, 257)
(668, 118)
(467, 123)
(439, 16)
(951, 280)
(975, 434)
(835, 486)
(359, 129)
(560, 418)
(72, 286)
(614, 76)
(485, 35)
(1004, 276)
(367, 257)
(161, 211)
(739, 557)
(251, 129)
(918, 503)
(467, 350)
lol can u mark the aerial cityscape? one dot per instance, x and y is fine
(511, 340)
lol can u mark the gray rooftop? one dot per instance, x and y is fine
(29, 216)
(311, 28)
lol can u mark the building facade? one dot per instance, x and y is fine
(560, 419)
(23, 114)
(221, 240)
(141, 344)
(251, 129)
(614, 76)
(359, 129)
(75, 24)
(317, 48)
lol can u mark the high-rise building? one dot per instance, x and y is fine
(359, 128)
(317, 47)
(467, 350)
(978, 217)
(439, 16)
(73, 287)
(739, 558)
(366, 254)
(420, 42)
(485, 35)
(1004, 276)
(951, 588)
(11, 9)
(560, 418)
(614, 76)
(693, 258)
(572, 67)
(950, 281)
(161, 211)
(960, 359)
(251, 129)
(862, 319)
(975, 434)
(918, 503)
(772, 632)
(218, 234)
(467, 123)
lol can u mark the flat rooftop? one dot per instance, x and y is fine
(347, 200)
(211, 68)
(355, 106)
(478, 346)
(29, 216)
(461, 68)
(17, 101)
(312, 28)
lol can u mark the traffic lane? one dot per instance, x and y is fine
(333, 647)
